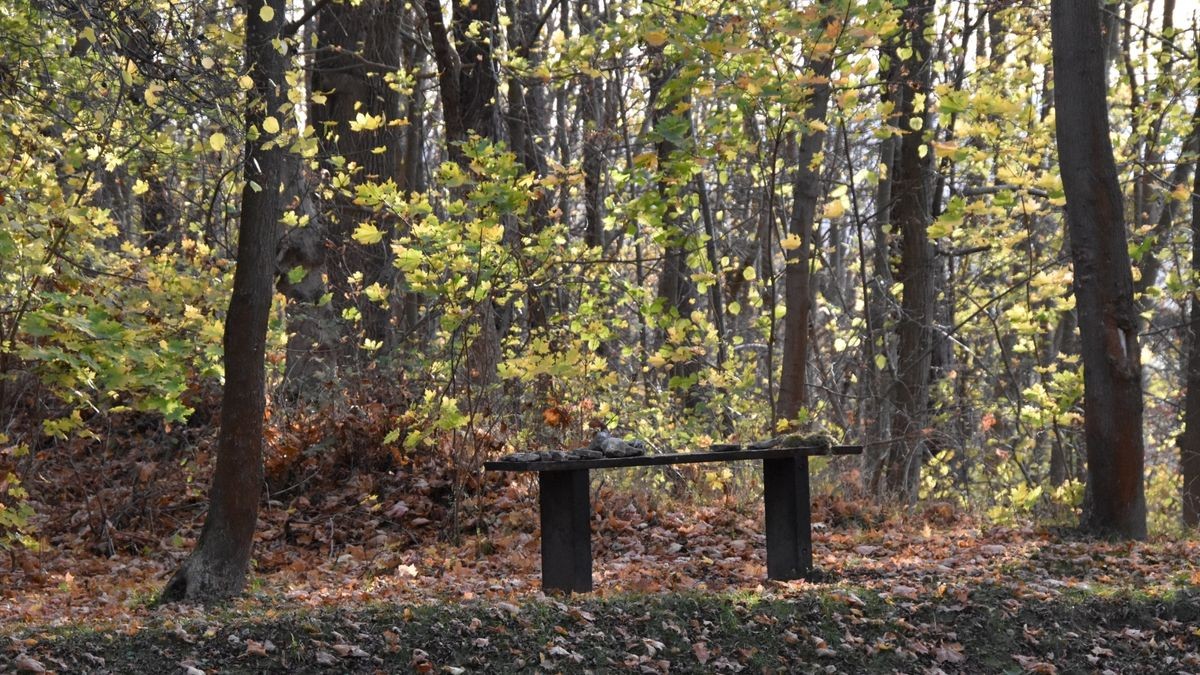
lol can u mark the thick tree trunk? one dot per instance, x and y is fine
(910, 215)
(1115, 501)
(216, 569)
(806, 187)
(468, 88)
(310, 365)
(357, 44)
(466, 74)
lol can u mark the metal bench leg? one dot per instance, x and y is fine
(789, 517)
(566, 531)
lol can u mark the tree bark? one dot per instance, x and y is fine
(466, 74)
(1189, 441)
(1114, 501)
(468, 88)
(910, 215)
(877, 403)
(357, 46)
(806, 187)
(675, 286)
(310, 362)
(527, 129)
(216, 569)
(591, 114)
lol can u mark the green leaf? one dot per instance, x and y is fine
(367, 234)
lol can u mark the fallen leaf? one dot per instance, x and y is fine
(949, 653)
(1033, 665)
(28, 664)
(344, 650)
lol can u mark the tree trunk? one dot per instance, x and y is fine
(1114, 501)
(466, 74)
(675, 286)
(591, 114)
(216, 569)
(1189, 441)
(910, 215)
(310, 363)
(877, 347)
(468, 88)
(806, 187)
(526, 129)
(357, 45)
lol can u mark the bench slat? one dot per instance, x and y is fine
(672, 458)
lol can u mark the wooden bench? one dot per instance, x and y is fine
(565, 508)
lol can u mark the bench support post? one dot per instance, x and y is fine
(566, 531)
(789, 517)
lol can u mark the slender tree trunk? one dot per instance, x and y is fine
(413, 180)
(217, 568)
(591, 113)
(527, 129)
(877, 345)
(910, 214)
(1115, 501)
(806, 187)
(675, 286)
(1189, 441)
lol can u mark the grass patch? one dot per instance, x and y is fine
(834, 628)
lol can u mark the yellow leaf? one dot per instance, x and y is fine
(217, 141)
(140, 187)
(367, 234)
(245, 82)
(944, 149)
(271, 125)
(266, 13)
(835, 209)
(656, 38)
(646, 160)
(151, 94)
(366, 122)
(207, 62)
(791, 242)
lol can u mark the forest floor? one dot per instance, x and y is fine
(359, 572)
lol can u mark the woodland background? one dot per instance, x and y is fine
(503, 226)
